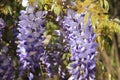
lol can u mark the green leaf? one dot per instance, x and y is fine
(51, 26)
(116, 20)
(86, 18)
(93, 20)
(40, 4)
(106, 5)
(101, 3)
(57, 9)
(41, 1)
(46, 7)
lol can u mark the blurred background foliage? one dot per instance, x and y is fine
(106, 24)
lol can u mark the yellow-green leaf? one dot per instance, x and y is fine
(106, 5)
(86, 18)
(101, 3)
(93, 20)
(57, 9)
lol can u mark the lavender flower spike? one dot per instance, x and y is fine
(6, 69)
(31, 28)
(80, 39)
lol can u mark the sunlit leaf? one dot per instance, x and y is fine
(57, 9)
(86, 18)
(93, 20)
(116, 20)
(101, 3)
(106, 5)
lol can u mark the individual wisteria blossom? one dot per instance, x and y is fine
(80, 38)
(2, 25)
(31, 29)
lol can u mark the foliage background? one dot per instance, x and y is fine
(108, 59)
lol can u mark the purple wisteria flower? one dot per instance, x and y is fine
(31, 29)
(53, 59)
(80, 39)
(6, 69)
(2, 25)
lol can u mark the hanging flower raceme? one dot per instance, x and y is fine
(80, 39)
(53, 59)
(6, 69)
(31, 29)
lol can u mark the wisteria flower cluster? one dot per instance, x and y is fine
(53, 59)
(6, 68)
(31, 28)
(80, 39)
